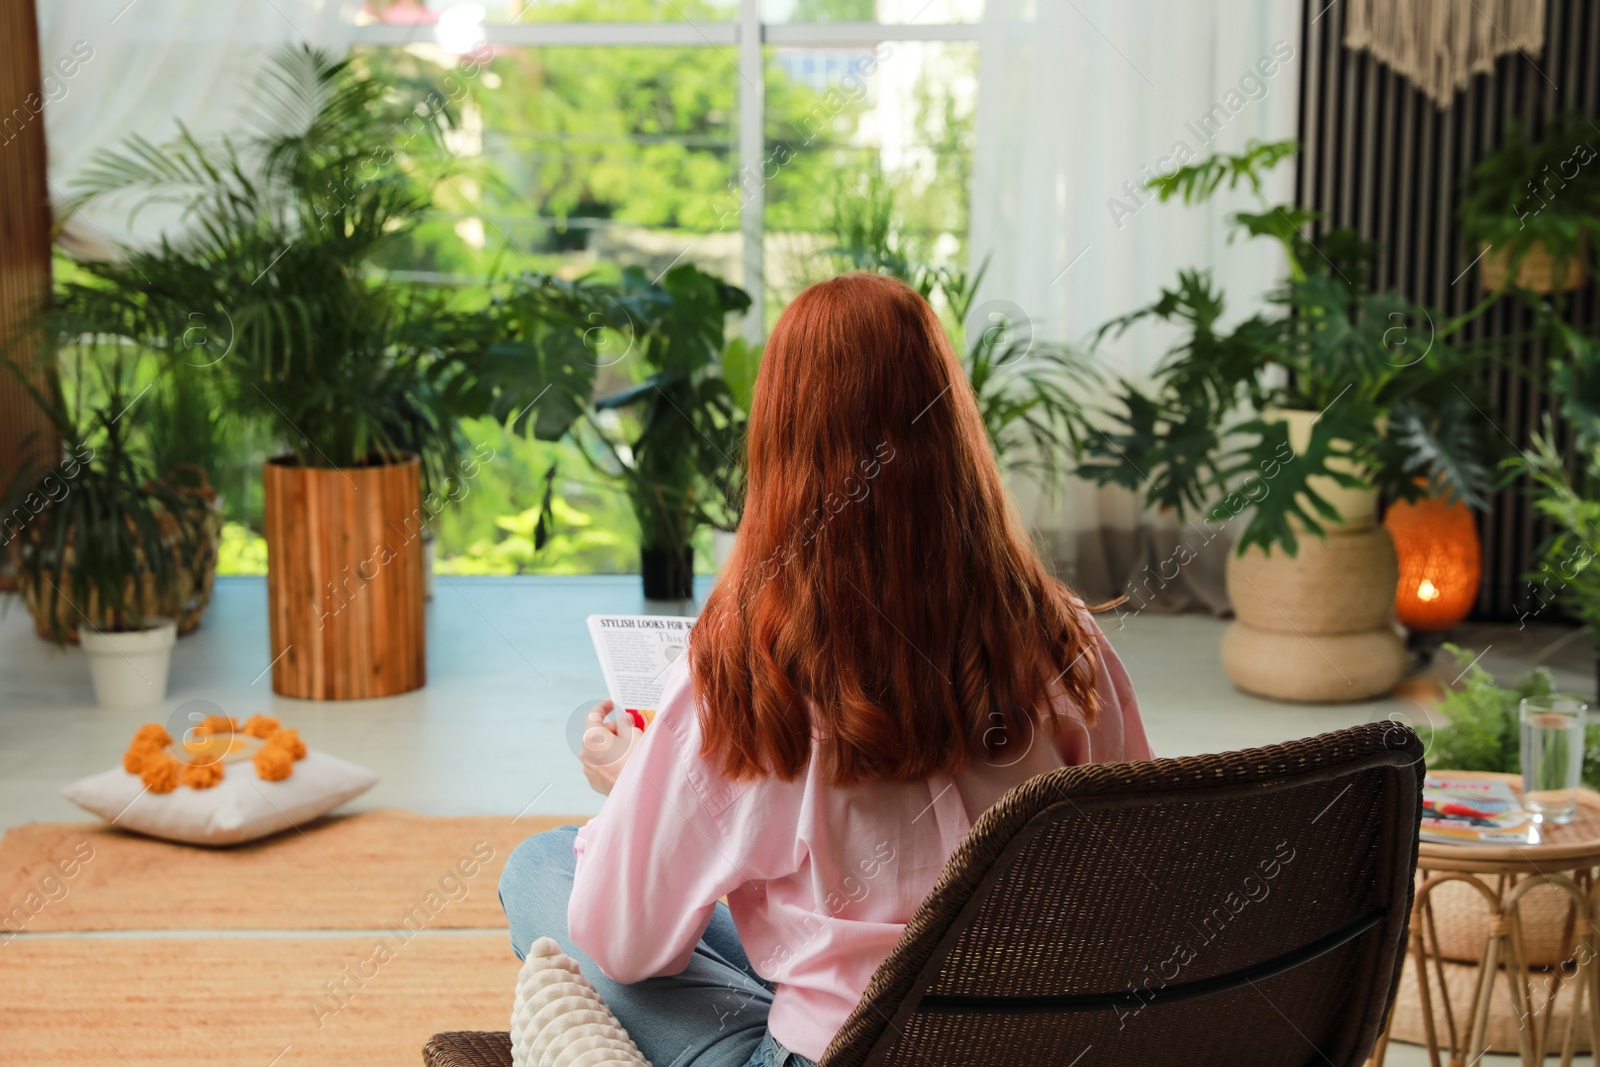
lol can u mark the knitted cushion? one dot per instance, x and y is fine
(560, 1020)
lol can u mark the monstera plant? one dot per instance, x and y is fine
(1364, 381)
(1283, 429)
(632, 372)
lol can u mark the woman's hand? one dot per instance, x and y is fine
(606, 747)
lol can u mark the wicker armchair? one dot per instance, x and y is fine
(1237, 909)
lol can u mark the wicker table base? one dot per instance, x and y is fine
(1565, 859)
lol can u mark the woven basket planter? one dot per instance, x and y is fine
(1316, 627)
(1343, 583)
(1313, 668)
(1537, 272)
(344, 579)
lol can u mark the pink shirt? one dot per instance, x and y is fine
(820, 879)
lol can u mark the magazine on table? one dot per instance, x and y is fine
(635, 652)
(1472, 811)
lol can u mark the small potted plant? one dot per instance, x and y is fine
(105, 549)
(670, 436)
(1530, 210)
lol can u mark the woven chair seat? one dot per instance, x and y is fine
(1245, 909)
(468, 1048)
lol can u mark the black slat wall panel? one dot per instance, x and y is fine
(1381, 158)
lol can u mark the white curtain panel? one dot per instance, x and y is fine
(119, 67)
(1080, 102)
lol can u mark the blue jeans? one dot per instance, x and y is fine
(713, 1014)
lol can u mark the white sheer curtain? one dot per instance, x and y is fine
(119, 67)
(1080, 102)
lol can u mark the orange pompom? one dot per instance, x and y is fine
(160, 772)
(138, 752)
(262, 726)
(288, 739)
(273, 763)
(201, 775)
(152, 733)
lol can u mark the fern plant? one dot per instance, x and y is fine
(1531, 193)
(1482, 728)
(1565, 483)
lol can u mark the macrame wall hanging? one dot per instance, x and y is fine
(1439, 44)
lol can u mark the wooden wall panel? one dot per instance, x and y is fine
(24, 232)
(1381, 158)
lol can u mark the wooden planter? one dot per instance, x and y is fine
(344, 579)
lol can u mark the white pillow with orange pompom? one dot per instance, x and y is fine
(220, 784)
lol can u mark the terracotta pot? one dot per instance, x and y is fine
(344, 579)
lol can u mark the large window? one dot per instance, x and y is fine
(592, 135)
(606, 133)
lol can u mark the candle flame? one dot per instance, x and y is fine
(1427, 591)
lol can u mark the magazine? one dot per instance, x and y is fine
(635, 652)
(1472, 811)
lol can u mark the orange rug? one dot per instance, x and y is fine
(246, 1002)
(343, 945)
(356, 872)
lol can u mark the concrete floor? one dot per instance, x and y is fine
(510, 661)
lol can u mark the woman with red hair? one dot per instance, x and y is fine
(883, 658)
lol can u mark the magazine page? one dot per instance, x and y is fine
(635, 652)
(1472, 811)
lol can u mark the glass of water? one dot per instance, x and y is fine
(1552, 756)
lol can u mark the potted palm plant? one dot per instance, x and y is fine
(103, 313)
(351, 374)
(102, 546)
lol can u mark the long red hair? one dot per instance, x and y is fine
(882, 598)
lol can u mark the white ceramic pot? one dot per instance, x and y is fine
(129, 669)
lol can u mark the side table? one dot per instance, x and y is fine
(1563, 856)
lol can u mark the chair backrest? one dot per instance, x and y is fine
(1237, 909)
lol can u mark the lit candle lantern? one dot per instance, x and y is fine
(1436, 544)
